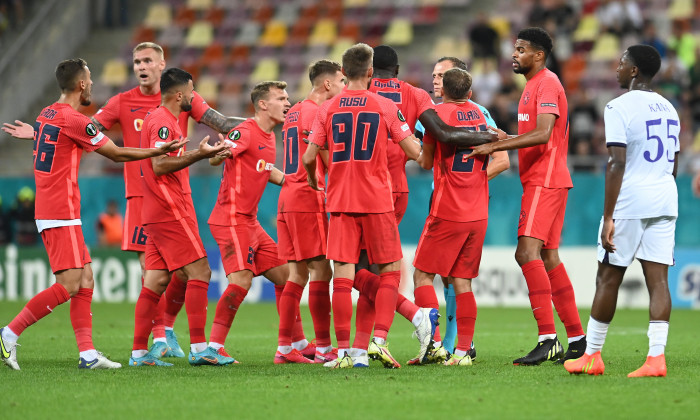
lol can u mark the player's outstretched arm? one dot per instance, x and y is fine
(220, 157)
(219, 122)
(499, 163)
(453, 135)
(128, 154)
(309, 161)
(539, 135)
(276, 177)
(19, 130)
(613, 182)
(425, 160)
(411, 147)
(167, 164)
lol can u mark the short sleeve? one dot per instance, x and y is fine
(238, 140)
(84, 133)
(318, 134)
(615, 126)
(395, 121)
(199, 107)
(548, 97)
(423, 101)
(108, 115)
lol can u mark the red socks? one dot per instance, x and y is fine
(540, 294)
(426, 298)
(81, 318)
(144, 314)
(226, 310)
(342, 310)
(565, 301)
(38, 307)
(320, 307)
(298, 328)
(174, 298)
(466, 318)
(288, 309)
(385, 302)
(406, 308)
(196, 307)
(364, 322)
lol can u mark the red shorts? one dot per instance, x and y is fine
(542, 214)
(301, 236)
(134, 237)
(376, 232)
(246, 246)
(191, 211)
(66, 247)
(172, 245)
(451, 248)
(400, 205)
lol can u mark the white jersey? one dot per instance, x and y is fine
(648, 126)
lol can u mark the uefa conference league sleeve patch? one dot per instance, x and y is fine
(232, 137)
(91, 130)
(163, 133)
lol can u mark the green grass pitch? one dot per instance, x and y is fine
(50, 385)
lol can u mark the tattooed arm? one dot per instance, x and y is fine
(220, 122)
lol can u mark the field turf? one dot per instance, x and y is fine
(50, 385)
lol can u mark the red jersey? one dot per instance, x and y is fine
(60, 135)
(356, 125)
(246, 173)
(164, 197)
(129, 110)
(544, 165)
(412, 102)
(296, 195)
(461, 185)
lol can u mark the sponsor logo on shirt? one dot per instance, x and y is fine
(135, 109)
(138, 124)
(264, 166)
(90, 129)
(405, 128)
(548, 105)
(163, 133)
(234, 135)
(523, 117)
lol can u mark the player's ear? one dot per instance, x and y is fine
(469, 95)
(397, 70)
(327, 84)
(370, 72)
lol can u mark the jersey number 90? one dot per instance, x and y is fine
(354, 138)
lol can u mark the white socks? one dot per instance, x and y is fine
(543, 337)
(198, 347)
(596, 333)
(379, 341)
(89, 354)
(658, 334)
(285, 349)
(417, 319)
(215, 346)
(300, 345)
(9, 335)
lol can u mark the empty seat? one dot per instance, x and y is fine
(266, 69)
(587, 29)
(114, 73)
(324, 32)
(274, 35)
(399, 32)
(606, 48)
(158, 16)
(250, 32)
(200, 35)
(200, 4)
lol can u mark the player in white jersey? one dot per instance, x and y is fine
(641, 206)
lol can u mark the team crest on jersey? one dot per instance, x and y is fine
(234, 135)
(91, 130)
(401, 117)
(163, 133)
(526, 98)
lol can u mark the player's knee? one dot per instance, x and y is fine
(524, 256)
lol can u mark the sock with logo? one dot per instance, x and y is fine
(565, 301)
(385, 302)
(320, 308)
(466, 319)
(342, 310)
(81, 319)
(226, 309)
(540, 294)
(38, 307)
(289, 302)
(144, 315)
(174, 299)
(451, 322)
(196, 308)
(364, 322)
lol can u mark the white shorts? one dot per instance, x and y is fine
(650, 239)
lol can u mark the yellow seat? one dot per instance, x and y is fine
(200, 35)
(158, 16)
(274, 35)
(606, 48)
(588, 29)
(208, 88)
(324, 33)
(399, 32)
(681, 9)
(115, 73)
(266, 69)
(501, 25)
(200, 4)
(336, 53)
(355, 3)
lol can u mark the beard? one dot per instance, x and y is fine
(520, 69)
(186, 107)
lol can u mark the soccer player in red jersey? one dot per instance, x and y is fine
(453, 236)
(246, 249)
(356, 126)
(302, 222)
(542, 143)
(173, 239)
(62, 133)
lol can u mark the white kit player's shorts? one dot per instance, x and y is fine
(650, 239)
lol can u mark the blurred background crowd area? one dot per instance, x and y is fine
(231, 45)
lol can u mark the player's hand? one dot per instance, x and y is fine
(313, 182)
(484, 149)
(20, 130)
(173, 145)
(606, 235)
(502, 135)
(207, 150)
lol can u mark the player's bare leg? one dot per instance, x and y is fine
(528, 256)
(466, 319)
(656, 276)
(564, 301)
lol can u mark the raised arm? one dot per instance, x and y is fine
(127, 154)
(445, 133)
(19, 130)
(219, 122)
